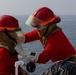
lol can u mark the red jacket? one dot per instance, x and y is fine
(7, 62)
(58, 46)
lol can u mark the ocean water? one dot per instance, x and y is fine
(68, 25)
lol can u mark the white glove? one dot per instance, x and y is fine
(21, 39)
(26, 54)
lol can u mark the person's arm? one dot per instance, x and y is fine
(47, 54)
(4, 62)
(43, 57)
(31, 56)
(28, 37)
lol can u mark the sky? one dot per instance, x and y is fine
(28, 7)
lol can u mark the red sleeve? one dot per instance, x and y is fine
(50, 50)
(47, 53)
(4, 62)
(31, 36)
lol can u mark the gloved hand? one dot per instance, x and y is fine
(30, 67)
(21, 39)
(30, 56)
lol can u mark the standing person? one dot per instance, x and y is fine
(55, 43)
(8, 36)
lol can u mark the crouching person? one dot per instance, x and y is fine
(8, 36)
(64, 67)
